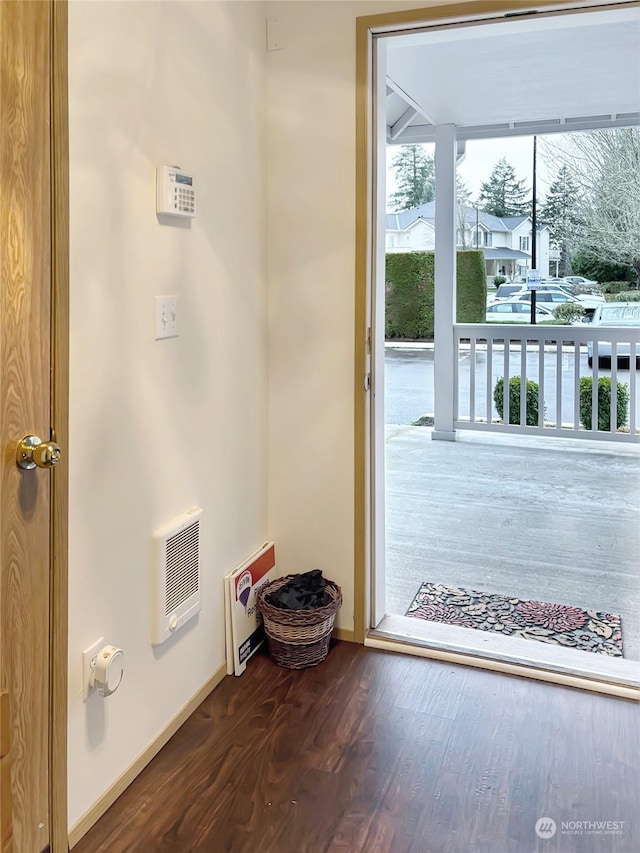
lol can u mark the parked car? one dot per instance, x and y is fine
(615, 315)
(580, 280)
(557, 297)
(506, 291)
(558, 294)
(578, 285)
(514, 311)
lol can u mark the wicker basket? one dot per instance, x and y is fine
(298, 638)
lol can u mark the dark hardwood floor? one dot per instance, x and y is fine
(383, 753)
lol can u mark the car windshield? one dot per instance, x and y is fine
(621, 312)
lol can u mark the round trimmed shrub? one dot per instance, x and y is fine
(498, 280)
(604, 403)
(568, 312)
(533, 397)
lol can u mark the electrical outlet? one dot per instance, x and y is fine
(166, 317)
(88, 663)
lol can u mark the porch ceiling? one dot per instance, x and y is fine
(515, 77)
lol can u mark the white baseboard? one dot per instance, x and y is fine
(90, 817)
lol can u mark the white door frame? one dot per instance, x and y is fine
(376, 339)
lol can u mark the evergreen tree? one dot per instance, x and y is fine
(414, 174)
(586, 263)
(503, 194)
(561, 212)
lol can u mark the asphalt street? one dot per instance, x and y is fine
(409, 382)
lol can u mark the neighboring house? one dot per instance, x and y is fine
(505, 242)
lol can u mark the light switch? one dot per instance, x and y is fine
(166, 317)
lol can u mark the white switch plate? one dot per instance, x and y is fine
(166, 317)
(88, 662)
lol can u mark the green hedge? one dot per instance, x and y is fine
(409, 293)
(615, 286)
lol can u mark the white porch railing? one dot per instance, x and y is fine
(555, 357)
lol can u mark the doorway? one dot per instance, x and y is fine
(414, 122)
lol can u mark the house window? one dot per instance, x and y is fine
(392, 241)
(524, 244)
(487, 238)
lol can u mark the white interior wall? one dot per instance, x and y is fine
(311, 213)
(159, 426)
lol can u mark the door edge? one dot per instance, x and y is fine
(59, 426)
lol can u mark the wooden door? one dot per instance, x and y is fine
(25, 408)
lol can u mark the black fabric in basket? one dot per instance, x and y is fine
(303, 592)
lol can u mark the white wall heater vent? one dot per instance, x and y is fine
(176, 575)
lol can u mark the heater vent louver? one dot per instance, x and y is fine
(176, 574)
(182, 566)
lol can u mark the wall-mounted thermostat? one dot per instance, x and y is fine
(175, 192)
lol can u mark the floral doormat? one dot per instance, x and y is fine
(562, 624)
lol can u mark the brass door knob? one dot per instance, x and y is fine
(33, 452)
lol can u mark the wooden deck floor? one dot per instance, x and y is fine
(555, 520)
(377, 752)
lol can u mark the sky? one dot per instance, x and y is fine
(483, 154)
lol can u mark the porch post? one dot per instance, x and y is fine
(445, 282)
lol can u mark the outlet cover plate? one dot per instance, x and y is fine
(166, 317)
(88, 662)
